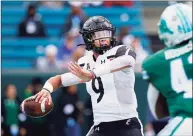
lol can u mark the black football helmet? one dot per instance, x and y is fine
(98, 27)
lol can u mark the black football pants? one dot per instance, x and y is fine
(128, 127)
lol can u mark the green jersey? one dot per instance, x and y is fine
(170, 72)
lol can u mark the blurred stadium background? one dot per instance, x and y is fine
(39, 38)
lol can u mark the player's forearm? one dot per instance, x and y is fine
(57, 81)
(53, 83)
(117, 64)
(69, 79)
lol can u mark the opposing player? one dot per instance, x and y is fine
(169, 71)
(108, 73)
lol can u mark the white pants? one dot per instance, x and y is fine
(178, 126)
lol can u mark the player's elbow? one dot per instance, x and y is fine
(57, 77)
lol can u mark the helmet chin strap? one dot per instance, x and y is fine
(103, 47)
(101, 50)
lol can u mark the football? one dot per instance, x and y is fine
(34, 109)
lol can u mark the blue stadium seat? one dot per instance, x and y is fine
(12, 31)
(11, 3)
(54, 32)
(15, 54)
(65, 11)
(28, 41)
(14, 64)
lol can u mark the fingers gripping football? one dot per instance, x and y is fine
(37, 106)
(42, 95)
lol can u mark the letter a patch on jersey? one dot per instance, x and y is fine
(88, 66)
(102, 61)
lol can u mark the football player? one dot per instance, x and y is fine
(169, 71)
(108, 73)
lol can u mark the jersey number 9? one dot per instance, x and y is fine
(99, 90)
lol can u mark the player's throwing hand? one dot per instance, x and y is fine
(42, 95)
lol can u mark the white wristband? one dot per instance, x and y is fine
(48, 86)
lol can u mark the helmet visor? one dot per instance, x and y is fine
(102, 34)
